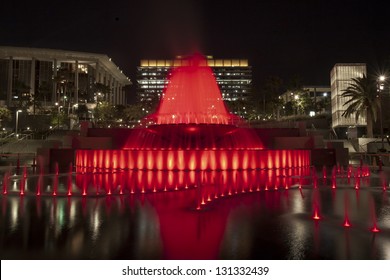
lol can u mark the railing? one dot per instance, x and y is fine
(11, 140)
(47, 134)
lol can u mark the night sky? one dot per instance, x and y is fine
(286, 38)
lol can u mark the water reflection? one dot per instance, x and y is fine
(255, 223)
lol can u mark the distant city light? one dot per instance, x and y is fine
(312, 113)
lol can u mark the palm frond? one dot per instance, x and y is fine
(362, 96)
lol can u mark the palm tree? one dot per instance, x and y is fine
(363, 99)
(22, 91)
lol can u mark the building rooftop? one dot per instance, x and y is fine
(64, 55)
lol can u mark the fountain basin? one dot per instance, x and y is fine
(191, 159)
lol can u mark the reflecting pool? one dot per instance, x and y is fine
(284, 217)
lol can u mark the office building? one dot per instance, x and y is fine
(341, 77)
(58, 77)
(234, 77)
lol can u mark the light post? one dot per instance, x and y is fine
(296, 97)
(382, 79)
(17, 123)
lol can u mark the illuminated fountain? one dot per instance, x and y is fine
(191, 130)
(166, 174)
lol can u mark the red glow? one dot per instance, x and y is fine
(316, 205)
(316, 215)
(346, 222)
(375, 229)
(182, 160)
(357, 183)
(192, 96)
(22, 185)
(5, 182)
(333, 183)
(192, 130)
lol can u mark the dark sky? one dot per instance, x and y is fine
(279, 37)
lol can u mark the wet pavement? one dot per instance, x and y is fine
(267, 223)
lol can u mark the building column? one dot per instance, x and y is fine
(105, 82)
(121, 91)
(116, 93)
(32, 80)
(54, 93)
(10, 77)
(112, 92)
(108, 81)
(97, 72)
(76, 83)
(121, 94)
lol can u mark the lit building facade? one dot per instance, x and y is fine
(316, 93)
(58, 76)
(340, 77)
(234, 77)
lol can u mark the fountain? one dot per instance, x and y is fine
(191, 131)
(196, 181)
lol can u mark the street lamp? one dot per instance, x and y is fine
(17, 122)
(296, 97)
(382, 79)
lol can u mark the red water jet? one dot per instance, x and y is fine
(70, 183)
(5, 182)
(346, 207)
(23, 181)
(316, 205)
(316, 214)
(192, 131)
(374, 228)
(346, 222)
(324, 172)
(192, 96)
(55, 185)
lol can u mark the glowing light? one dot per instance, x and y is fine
(375, 229)
(316, 216)
(346, 222)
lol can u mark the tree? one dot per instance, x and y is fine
(5, 114)
(101, 92)
(82, 111)
(363, 99)
(65, 86)
(271, 103)
(104, 114)
(132, 113)
(59, 119)
(22, 91)
(303, 103)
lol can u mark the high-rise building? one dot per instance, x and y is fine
(341, 77)
(58, 76)
(234, 77)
